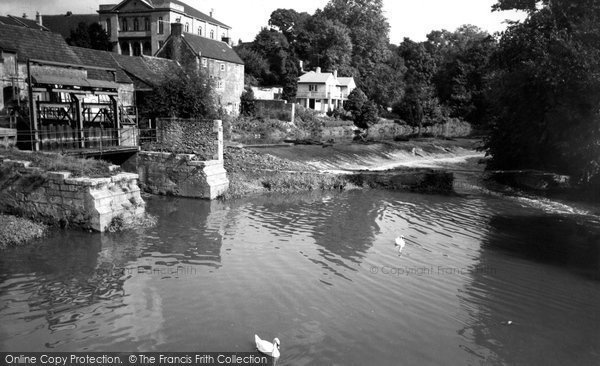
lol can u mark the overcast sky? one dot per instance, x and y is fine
(408, 18)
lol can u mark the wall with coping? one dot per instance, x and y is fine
(56, 197)
(200, 173)
(181, 175)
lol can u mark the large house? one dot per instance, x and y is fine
(141, 27)
(323, 91)
(216, 58)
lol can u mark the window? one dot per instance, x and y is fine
(124, 25)
(161, 28)
(219, 84)
(146, 24)
(312, 87)
(108, 30)
(204, 62)
(187, 27)
(222, 67)
(136, 24)
(136, 49)
(199, 31)
(124, 48)
(212, 34)
(147, 48)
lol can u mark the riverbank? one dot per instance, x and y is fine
(348, 165)
(17, 231)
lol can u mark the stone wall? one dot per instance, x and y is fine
(56, 197)
(182, 175)
(190, 136)
(198, 175)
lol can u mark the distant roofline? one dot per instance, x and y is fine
(160, 9)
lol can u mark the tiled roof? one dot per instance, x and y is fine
(36, 44)
(212, 49)
(21, 22)
(101, 59)
(313, 77)
(149, 70)
(63, 24)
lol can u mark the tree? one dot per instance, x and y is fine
(364, 111)
(256, 66)
(247, 105)
(462, 65)
(420, 105)
(90, 36)
(185, 95)
(369, 32)
(546, 91)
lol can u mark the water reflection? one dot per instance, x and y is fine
(538, 263)
(52, 294)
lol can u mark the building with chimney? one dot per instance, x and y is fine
(141, 27)
(216, 58)
(323, 91)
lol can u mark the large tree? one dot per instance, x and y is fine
(547, 90)
(462, 59)
(369, 32)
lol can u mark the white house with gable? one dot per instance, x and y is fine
(323, 91)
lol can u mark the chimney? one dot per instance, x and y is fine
(174, 46)
(335, 74)
(318, 70)
(176, 29)
(212, 11)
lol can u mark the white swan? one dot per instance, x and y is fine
(400, 243)
(266, 347)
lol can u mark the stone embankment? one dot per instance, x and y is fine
(59, 198)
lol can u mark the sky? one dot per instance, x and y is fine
(407, 18)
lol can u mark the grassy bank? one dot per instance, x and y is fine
(18, 231)
(79, 167)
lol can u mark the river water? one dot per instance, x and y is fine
(320, 271)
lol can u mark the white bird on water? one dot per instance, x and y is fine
(266, 347)
(400, 244)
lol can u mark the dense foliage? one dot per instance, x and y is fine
(185, 95)
(534, 89)
(546, 90)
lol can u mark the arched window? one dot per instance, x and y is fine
(136, 24)
(124, 48)
(136, 49)
(161, 28)
(212, 34)
(147, 48)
